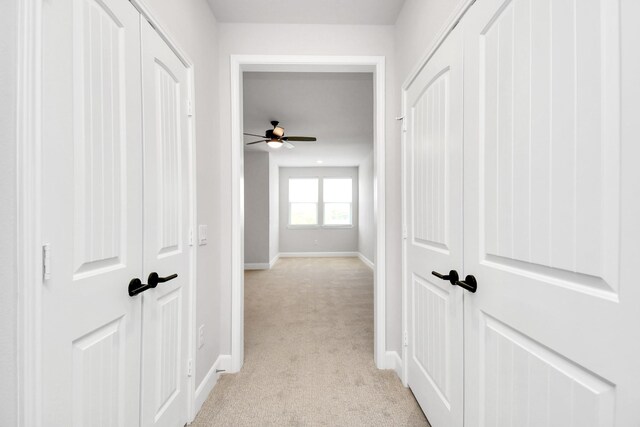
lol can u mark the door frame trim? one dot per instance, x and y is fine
(29, 197)
(305, 63)
(453, 20)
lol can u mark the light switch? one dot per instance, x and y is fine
(202, 235)
(200, 336)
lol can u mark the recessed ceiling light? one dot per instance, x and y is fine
(319, 162)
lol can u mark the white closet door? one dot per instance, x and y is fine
(91, 213)
(434, 234)
(551, 336)
(166, 233)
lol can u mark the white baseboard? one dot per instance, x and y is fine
(318, 254)
(274, 260)
(393, 361)
(269, 265)
(257, 266)
(206, 386)
(366, 260)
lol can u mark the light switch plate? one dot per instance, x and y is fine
(200, 336)
(202, 235)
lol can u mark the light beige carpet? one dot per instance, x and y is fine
(309, 353)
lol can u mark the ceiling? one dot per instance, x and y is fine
(336, 108)
(349, 12)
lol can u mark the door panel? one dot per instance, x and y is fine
(166, 189)
(526, 382)
(546, 340)
(434, 229)
(545, 157)
(92, 204)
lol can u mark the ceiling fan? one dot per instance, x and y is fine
(275, 137)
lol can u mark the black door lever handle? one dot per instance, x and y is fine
(136, 287)
(154, 279)
(469, 284)
(452, 277)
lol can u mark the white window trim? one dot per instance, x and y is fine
(321, 205)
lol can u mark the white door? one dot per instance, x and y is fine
(551, 215)
(166, 233)
(91, 213)
(434, 234)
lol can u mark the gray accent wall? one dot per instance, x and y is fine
(318, 238)
(366, 225)
(256, 207)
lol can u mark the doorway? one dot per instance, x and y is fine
(242, 64)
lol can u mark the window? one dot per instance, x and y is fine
(335, 204)
(337, 199)
(303, 201)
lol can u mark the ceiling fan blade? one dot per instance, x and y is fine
(253, 134)
(255, 142)
(289, 146)
(300, 138)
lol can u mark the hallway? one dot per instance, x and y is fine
(309, 353)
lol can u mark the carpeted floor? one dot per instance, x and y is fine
(309, 353)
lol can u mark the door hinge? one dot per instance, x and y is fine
(189, 108)
(405, 233)
(190, 368)
(405, 339)
(191, 237)
(46, 261)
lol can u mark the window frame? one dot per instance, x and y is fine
(323, 203)
(317, 203)
(320, 204)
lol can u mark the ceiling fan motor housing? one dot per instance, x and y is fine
(276, 135)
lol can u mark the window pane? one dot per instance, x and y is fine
(337, 213)
(303, 213)
(337, 190)
(303, 190)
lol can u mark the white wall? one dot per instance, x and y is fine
(417, 26)
(256, 207)
(317, 239)
(274, 209)
(8, 224)
(262, 39)
(194, 29)
(366, 226)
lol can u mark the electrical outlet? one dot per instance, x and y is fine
(200, 336)
(315, 242)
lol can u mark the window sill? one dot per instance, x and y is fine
(316, 227)
(302, 227)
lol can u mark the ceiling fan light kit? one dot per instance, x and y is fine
(275, 143)
(275, 137)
